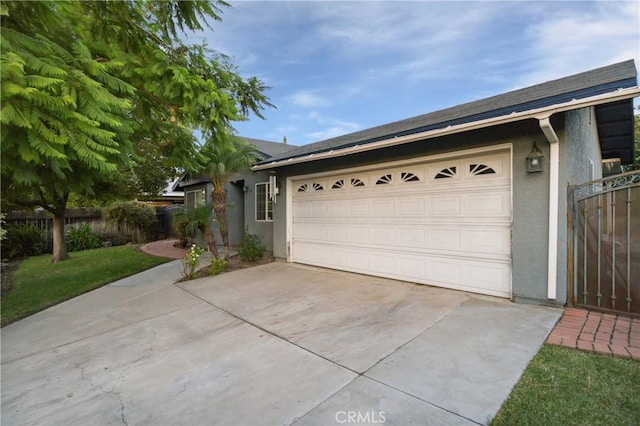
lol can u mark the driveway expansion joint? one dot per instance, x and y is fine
(358, 374)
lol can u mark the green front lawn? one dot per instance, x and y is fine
(38, 283)
(563, 386)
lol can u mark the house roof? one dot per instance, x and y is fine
(579, 86)
(268, 148)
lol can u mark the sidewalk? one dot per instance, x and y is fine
(164, 248)
(598, 332)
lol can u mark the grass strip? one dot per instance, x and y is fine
(564, 386)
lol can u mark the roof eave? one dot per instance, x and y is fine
(537, 113)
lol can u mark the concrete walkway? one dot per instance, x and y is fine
(275, 344)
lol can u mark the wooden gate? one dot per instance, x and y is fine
(604, 244)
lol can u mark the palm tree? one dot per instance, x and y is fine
(225, 155)
(187, 221)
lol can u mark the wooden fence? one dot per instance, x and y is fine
(118, 234)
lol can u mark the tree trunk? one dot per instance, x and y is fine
(219, 204)
(59, 243)
(211, 240)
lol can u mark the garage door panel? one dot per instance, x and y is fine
(392, 250)
(446, 223)
(488, 204)
(411, 237)
(490, 278)
(446, 239)
(337, 208)
(383, 236)
(444, 205)
(358, 208)
(383, 207)
(431, 269)
(337, 234)
(463, 240)
(487, 241)
(357, 233)
(445, 272)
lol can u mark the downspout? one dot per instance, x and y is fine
(554, 174)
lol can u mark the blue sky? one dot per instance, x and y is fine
(335, 67)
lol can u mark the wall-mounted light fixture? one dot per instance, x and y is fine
(273, 186)
(534, 160)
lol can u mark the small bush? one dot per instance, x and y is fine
(134, 213)
(191, 261)
(114, 239)
(251, 248)
(23, 240)
(82, 238)
(218, 265)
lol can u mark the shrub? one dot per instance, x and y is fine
(82, 238)
(251, 248)
(134, 213)
(191, 261)
(23, 240)
(218, 265)
(114, 239)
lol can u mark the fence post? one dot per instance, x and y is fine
(571, 255)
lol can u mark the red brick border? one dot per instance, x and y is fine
(598, 332)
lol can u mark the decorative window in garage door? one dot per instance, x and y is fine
(447, 173)
(384, 180)
(338, 184)
(310, 187)
(305, 187)
(481, 169)
(355, 182)
(409, 177)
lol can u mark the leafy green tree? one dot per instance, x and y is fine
(224, 155)
(89, 87)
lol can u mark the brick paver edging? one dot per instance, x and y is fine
(598, 332)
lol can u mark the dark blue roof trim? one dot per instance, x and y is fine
(591, 83)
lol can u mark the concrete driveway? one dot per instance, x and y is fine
(275, 344)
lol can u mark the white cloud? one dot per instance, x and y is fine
(324, 126)
(333, 131)
(307, 98)
(578, 39)
(373, 62)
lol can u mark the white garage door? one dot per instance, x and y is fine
(445, 223)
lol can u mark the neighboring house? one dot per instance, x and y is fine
(248, 206)
(168, 196)
(447, 199)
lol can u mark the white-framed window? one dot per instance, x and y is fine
(195, 198)
(264, 206)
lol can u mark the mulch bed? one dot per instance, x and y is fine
(235, 263)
